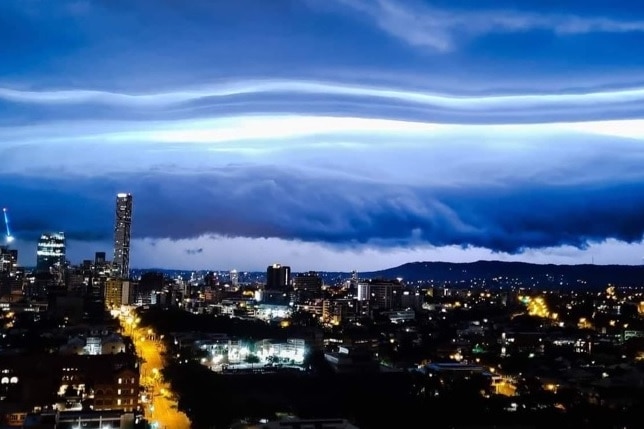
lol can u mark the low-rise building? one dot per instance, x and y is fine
(309, 424)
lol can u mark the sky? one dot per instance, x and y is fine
(326, 134)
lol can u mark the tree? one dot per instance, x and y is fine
(252, 359)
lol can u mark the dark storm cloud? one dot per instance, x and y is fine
(267, 202)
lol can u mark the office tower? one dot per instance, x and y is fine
(9, 278)
(51, 252)
(8, 259)
(381, 294)
(99, 259)
(122, 234)
(310, 281)
(278, 276)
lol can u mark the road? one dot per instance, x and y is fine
(162, 409)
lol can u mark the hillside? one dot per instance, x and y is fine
(544, 275)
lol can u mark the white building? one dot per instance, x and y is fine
(295, 423)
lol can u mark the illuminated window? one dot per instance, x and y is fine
(5, 380)
(13, 380)
(120, 380)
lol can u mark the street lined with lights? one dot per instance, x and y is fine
(159, 405)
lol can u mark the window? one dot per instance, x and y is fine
(120, 380)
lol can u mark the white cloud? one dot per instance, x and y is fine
(440, 29)
(328, 146)
(256, 254)
(543, 101)
(249, 254)
(286, 129)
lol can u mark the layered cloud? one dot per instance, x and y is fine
(350, 182)
(270, 155)
(272, 95)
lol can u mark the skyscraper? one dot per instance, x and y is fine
(278, 277)
(9, 279)
(122, 234)
(51, 252)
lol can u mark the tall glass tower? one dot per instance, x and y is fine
(122, 234)
(51, 252)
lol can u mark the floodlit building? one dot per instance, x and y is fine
(293, 350)
(117, 292)
(349, 359)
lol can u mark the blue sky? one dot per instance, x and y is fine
(326, 134)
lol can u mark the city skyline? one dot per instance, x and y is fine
(325, 135)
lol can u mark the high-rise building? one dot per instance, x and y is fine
(278, 277)
(310, 281)
(9, 274)
(117, 292)
(122, 234)
(99, 259)
(51, 252)
(381, 294)
(8, 259)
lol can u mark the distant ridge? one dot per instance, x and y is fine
(551, 276)
(544, 274)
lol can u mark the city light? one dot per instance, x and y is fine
(537, 306)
